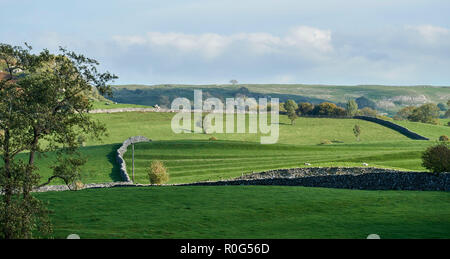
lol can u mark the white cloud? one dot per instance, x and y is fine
(300, 40)
(305, 36)
(430, 33)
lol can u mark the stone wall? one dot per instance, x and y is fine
(345, 178)
(121, 151)
(115, 110)
(393, 126)
(365, 178)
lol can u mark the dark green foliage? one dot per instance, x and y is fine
(328, 109)
(427, 113)
(305, 108)
(404, 113)
(437, 158)
(291, 108)
(48, 100)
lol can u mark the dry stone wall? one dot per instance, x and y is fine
(121, 151)
(346, 178)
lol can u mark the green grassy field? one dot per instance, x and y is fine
(305, 131)
(248, 212)
(200, 160)
(191, 157)
(106, 105)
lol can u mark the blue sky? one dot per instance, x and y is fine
(395, 42)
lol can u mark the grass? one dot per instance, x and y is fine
(104, 105)
(157, 126)
(200, 160)
(248, 212)
(433, 132)
(191, 157)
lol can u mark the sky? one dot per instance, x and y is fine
(391, 42)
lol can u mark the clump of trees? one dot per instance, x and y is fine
(158, 173)
(324, 109)
(44, 97)
(437, 158)
(427, 113)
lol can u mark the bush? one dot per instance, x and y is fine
(213, 138)
(158, 173)
(443, 138)
(448, 123)
(325, 142)
(437, 158)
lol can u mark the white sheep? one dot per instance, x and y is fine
(365, 164)
(307, 164)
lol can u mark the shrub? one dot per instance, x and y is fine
(366, 111)
(158, 173)
(448, 123)
(213, 138)
(443, 138)
(437, 158)
(325, 142)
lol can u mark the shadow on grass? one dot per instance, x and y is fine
(115, 170)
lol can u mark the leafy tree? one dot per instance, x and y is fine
(291, 107)
(366, 111)
(305, 108)
(45, 97)
(357, 132)
(427, 113)
(404, 113)
(328, 109)
(437, 158)
(234, 82)
(351, 108)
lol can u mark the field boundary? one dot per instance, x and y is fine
(359, 178)
(393, 126)
(122, 150)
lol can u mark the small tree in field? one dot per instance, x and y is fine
(437, 158)
(357, 132)
(291, 109)
(158, 173)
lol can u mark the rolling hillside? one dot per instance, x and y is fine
(234, 154)
(388, 98)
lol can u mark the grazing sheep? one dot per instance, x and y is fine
(307, 164)
(365, 164)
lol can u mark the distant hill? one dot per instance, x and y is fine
(388, 99)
